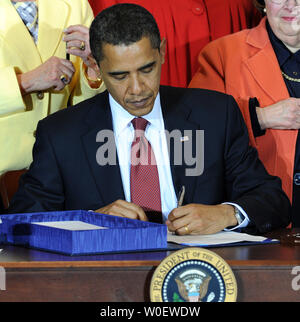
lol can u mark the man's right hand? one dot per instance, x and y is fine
(123, 208)
(46, 76)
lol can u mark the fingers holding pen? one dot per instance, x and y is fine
(179, 221)
(65, 71)
(62, 74)
(55, 73)
(77, 42)
(200, 219)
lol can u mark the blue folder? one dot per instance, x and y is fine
(121, 234)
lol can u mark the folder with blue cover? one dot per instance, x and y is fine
(81, 232)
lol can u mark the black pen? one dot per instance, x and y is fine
(67, 54)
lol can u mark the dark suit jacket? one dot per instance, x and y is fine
(65, 174)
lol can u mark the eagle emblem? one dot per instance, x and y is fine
(193, 285)
(184, 277)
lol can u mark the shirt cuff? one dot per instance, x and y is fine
(256, 129)
(245, 221)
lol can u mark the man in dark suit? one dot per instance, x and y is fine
(83, 156)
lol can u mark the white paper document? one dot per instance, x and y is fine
(221, 238)
(69, 225)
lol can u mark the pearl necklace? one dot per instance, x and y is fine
(290, 78)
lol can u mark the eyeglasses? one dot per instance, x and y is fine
(281, 2)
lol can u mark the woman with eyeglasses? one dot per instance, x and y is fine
(260, 67)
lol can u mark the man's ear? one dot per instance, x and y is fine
(162, 49)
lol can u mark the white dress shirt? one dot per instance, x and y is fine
(155, 134)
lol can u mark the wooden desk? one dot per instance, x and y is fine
(263, 273)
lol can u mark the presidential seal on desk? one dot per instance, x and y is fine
(193, 275)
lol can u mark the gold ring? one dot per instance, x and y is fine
(64, 78)
(186, 227)
(82, 46)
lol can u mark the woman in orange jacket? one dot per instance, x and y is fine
(260, 68)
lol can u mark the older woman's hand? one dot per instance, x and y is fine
(55, 73)
(284, 115)
(78, 44)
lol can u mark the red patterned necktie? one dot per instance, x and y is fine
(144, 180)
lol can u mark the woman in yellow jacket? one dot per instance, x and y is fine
(45, 66)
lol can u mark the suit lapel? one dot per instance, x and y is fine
(183, 132)
(264, 66)
(177, 122)
(98, 126)
(17, 37)
(53, 18)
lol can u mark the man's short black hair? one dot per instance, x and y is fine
(122, 24)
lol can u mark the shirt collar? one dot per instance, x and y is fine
(122, 119)
(283, 54)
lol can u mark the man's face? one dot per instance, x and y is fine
(132, 74)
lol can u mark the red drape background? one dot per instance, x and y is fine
(188, 25)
